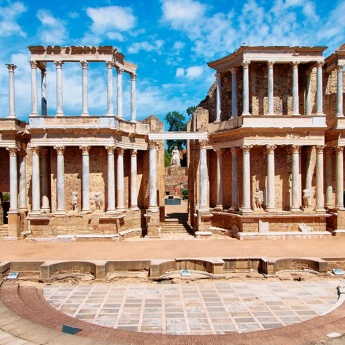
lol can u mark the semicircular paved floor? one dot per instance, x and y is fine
(205, 307)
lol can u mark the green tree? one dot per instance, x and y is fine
(190, 110)
(176, 123)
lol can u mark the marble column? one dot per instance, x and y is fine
(35, 183)
(339, 196)
(34, 111)
(133, 99)
(120, 180)
(219, 96)
(245, 65)
(295, 187)
(295, 99)
(59, 88)
(12, 111)
(219, 205)
(329, 180)
(308, 93)
(340, 111)
(320, 201)
(45, 207)
(246, 178)
(319, 95)
(309, 170)
(13, 179)
(22, 180)
(203, 176)
(271, 203)
(85, 180)
(44, 92)
(85, 111)
(111, 180)
(110, 105)
(134, 191)
(234, 92)
(152, 176)
(60, 180)
(270, 88)
(234, 178)
(119, 93)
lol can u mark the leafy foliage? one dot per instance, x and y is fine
(177, 123)
(190, 110)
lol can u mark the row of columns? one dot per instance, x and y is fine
(60, 180)
(59, 90)
(295, 182)
(270, 88)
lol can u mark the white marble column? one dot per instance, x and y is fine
(234, 92)
(12, 110)
(134, 191)
(245, 65)
(45, 207)
(152, 176)
(339, 196)
(319, 95)
(60, 180)
(340, 111)
(329, 180)
(110, 105)
(133, 98)
(22, 180)
(85, 181)
(320, 200)
(219, 96)
(271, 203)
(295, 99)
(219, 205)
(309, 170)
(270, 88)
(246, 178)
(295, 187)
(44, 92)
(34, 111)
(59, 88)
(119, 93)
(111, 180)
(308, 93)
(203, 176)
(85, 111)
(120, 180)
(13, 179)
(234, 178)
(35, 183)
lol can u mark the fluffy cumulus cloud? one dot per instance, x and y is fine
(52, 29)
(9, 16)
(190, 73)
(155, 45)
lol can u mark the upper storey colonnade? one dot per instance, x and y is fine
(302, 60)
(41, 56)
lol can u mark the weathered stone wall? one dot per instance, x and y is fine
(5, 170)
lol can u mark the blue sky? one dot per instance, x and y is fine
(171, 41)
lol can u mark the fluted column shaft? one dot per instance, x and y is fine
(22, 181)
(12, 111)
(111, 179)
(13, 179)
(308, 93)
(35, 180)
(329, 186)
(133, 99)
(340, 111)
(219, 205)
(85, 178)
(120, 180)
(295, 154)
(110, 105)
(339, 197)
(246, 178)
(203, 176)
(219, 96)
(134, 191)
(309, 169)
(295, 98)
(234, 92)
(34, 111)
(119, 93)
(320, 201)
(245, 65)
(270, 88)
(85, 112)
(319, 98)
(271, 204)
(152, 176)
(234, 178)
(59, 88)
(60, 179)
(45, 184)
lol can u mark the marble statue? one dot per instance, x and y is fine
(175, 157)
(258, 198)
(98, 199)
(74, 201)
(306, 198)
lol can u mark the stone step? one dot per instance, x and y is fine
(175, 227)
(4, 230)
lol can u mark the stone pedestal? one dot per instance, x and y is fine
(152, 223)
(13, 224)
(203, 220)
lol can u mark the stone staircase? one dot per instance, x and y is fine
(174, 226)
(4, 230)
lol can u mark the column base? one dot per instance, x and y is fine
(33, 115)
(246, 114)
(246, 210)
(320, 210)
(135, 208)
(13, 224)
(133, 121)
(60, 212)
(85, 114)
(218, 208)
(270, 114)
(35, 212)
(110, 212)
(110, 114)
(340, 115)
(320, 114)
(295, 114)
(271, 209)
(295, 209)
(45, 210)
(216, 121)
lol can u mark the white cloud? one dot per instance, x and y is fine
(73, 15)
(146, 46)
(180, 72)
(190, 73)
(178, 45)
(52, 29)
(8, 19)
